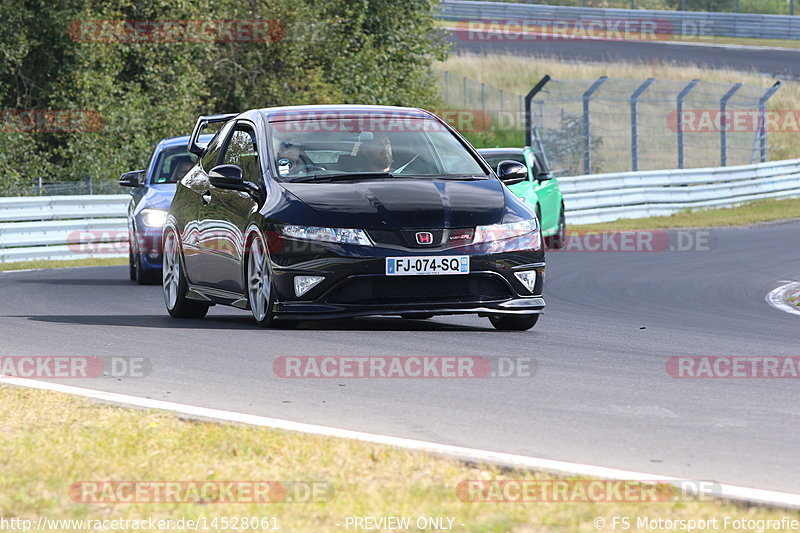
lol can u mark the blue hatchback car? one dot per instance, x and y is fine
(151, 196)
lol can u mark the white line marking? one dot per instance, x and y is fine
(732, 492)
(549, 37)
(777, 298)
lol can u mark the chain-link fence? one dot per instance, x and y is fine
(41, 187)
(478, 107)
(613, 125)
(616, 125)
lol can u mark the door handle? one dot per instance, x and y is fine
(206, 197)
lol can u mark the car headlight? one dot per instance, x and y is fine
(337, 235)
(502, 232)
(154, 218)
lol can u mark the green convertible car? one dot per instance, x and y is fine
(540, 190)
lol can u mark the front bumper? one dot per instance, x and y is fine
(147, 244)
(356, 284)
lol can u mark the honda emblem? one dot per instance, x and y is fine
(424, 237)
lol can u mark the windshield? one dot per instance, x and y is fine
(172, 164)
(360, 145)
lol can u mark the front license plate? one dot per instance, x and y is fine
(427, 265)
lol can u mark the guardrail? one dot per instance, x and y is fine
(685, 23)
(607, 197)
(74, 227)
(63, 227)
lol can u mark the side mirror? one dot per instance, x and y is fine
(544, 176)
(227, 177)
(132, 178)
(512, 172)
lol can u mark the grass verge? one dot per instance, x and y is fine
(743, 215)
(52, 440)
(31, 265)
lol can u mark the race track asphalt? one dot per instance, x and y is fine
(601, 394)
(779, 63)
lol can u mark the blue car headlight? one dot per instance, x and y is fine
(154, 218)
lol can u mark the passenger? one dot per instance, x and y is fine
(183, 166)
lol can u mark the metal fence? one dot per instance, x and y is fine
(485, 107)
(683, 24)
(612, 125)
(608, 197)
(770, 7)
(616, 125)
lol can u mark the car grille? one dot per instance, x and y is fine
(420, 289)
(451, 237)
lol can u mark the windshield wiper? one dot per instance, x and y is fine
(337, 177)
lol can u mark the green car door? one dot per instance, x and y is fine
(547, 191)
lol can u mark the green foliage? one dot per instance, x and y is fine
(337, 51)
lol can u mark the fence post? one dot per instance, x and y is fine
(723, 134)
(528, 99)
(635, 122)
(587, 134)
(483, 98)
(465, 92)
(501, 102)
(686, 90)
(446, 86)
(762, 119)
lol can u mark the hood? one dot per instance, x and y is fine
(158, 196)
(404, 202)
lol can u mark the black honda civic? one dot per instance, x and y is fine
(308, 212)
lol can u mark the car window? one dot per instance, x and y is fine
(211, 155)
(241, 151)
(332, 144)
(172, 164)
(539, 165)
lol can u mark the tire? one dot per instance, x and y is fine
(260, 293)
(417, 316)
(174, 283)
(559, 240)
(131, 264)
(513, 322)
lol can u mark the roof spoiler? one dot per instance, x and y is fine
(194, 146)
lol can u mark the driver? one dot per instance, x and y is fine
(376, 155)
(289, 155)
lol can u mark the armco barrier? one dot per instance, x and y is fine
(606, 197)
(686, 23)
(74, 227)
(63, 227)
